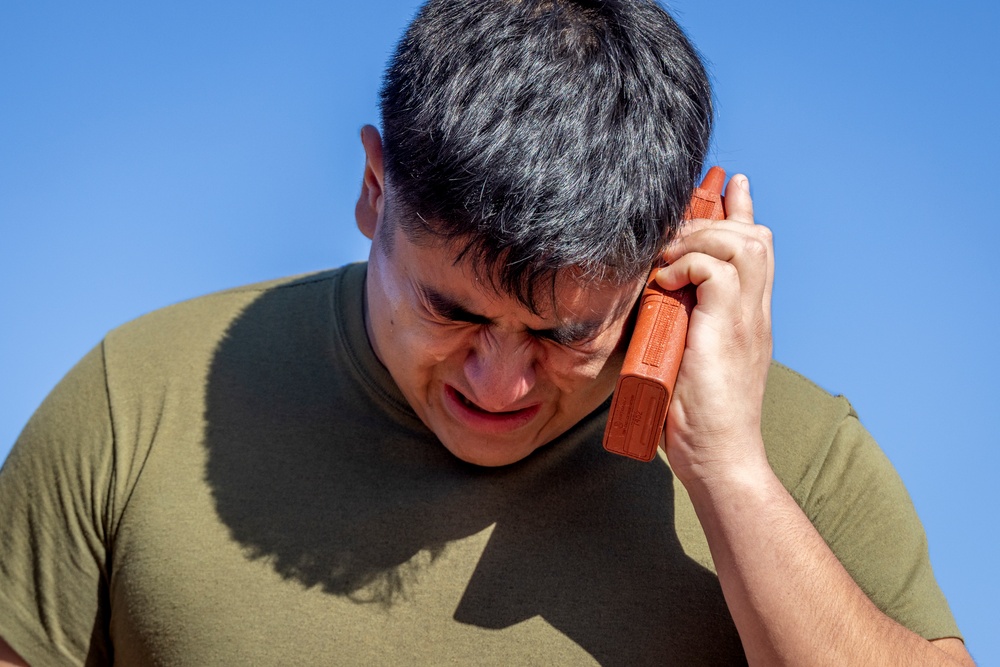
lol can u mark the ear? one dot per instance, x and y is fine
(368, 211)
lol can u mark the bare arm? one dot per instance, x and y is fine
(8, 657)
(791, 599)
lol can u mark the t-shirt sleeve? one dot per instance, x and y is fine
(55, 509)
(860, 506)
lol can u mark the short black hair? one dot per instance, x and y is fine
(541, 135)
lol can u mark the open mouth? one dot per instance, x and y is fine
(478, 418)
(464, 400)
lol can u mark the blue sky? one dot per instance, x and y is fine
(149, 154)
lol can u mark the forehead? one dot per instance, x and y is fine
(533, 278)
(445, 269)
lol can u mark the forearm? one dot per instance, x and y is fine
(791, 599)
(9, 657)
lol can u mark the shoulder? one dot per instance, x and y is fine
(175, 348)
(793, 400)
(221, 307)
(801, 423)
(200, 323)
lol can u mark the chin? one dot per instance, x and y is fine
(488, 454)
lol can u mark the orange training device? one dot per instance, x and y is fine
(646, 384)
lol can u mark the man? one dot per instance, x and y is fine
(400, 461)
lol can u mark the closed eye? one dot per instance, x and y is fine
(570, 334)
(445, 308)
(575, 334)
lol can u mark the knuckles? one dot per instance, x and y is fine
(765, 234)
(728, 271)
(757, 249)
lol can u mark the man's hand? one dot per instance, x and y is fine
(791, 599)
(713, 427)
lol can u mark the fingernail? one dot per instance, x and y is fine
(745, 184)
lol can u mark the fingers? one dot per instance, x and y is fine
(720, 294)
(736, 241)
(739, 205)
(717, 400)
(736, 251)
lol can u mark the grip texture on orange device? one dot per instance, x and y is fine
(646, 383)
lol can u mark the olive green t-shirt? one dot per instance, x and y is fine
(237, 480)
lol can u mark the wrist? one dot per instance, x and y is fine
(742, 468)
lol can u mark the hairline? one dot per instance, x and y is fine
(385, 237)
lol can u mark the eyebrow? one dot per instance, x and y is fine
(449, 308)
(564, 334)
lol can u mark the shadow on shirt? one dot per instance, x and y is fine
(315, 472)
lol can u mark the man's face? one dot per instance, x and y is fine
(491, 379)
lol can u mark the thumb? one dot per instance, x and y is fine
(739, 205)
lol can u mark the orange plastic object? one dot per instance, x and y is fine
(646, 384)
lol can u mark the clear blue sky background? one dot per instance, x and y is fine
(149, 154)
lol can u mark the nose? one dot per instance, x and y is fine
(500, 371)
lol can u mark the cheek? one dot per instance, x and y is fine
(421, 344)
(572, 372)
(409, 339)
(597, 371)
